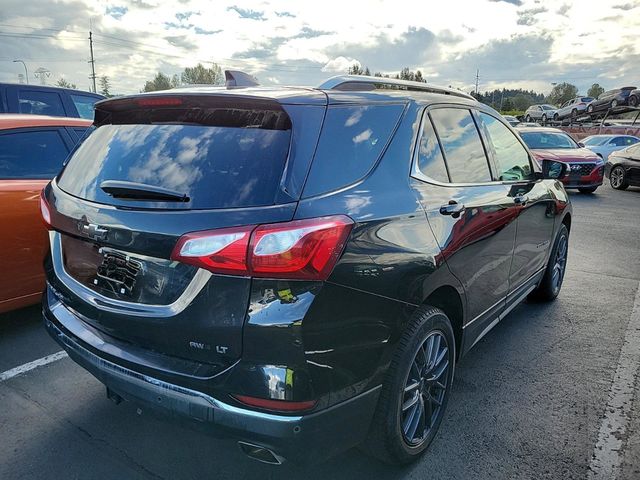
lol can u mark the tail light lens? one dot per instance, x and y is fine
(45, 211)
(302, 249)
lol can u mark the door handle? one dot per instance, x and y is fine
(453, 208)
(521, 200)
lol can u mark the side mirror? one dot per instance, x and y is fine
(580, 144)
(553, 170)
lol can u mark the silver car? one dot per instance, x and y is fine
(573, 108)
(604, 145)
(539, 112)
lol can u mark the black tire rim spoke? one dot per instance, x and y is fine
(425, 388)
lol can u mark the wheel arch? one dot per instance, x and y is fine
(448, 299)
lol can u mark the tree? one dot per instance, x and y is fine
(356, 69)
(595, 91)
(105, 86)
(522, 102)
(562, 92)
(62, 82)
(202, 75)
(160, 82)
(507, 106)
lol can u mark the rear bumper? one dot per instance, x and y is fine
(300, 439)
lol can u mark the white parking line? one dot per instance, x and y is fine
(31, 365)
(607, 454)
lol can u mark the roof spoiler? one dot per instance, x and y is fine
(238, 79)
(367, 83)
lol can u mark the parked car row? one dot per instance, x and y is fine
(579, 106)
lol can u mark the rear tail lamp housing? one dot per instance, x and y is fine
(301, 249)
(45, 211)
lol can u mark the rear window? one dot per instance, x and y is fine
(548, 140)
(216, 167)
(352, 139)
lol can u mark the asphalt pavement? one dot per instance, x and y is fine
(528, 401)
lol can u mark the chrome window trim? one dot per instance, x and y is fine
(95, 299)
(417, 173)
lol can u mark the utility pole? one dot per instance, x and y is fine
(92, 62)
(477, 80)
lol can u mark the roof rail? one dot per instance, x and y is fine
(364, 82)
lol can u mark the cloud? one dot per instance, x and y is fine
(285, 14)
(339, 64)
(625, 6)
(247, 13)
(528, 17)
(512, 2)
(387, 53)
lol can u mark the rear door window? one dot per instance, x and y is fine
(34, 154)
(463, 150)
(40, 102)
(351, 141)
(216, 167)
(509, 154)
(84, 104)
(430, 161)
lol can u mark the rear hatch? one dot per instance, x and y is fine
(156, 168)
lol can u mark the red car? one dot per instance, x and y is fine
(585, 169)
(32, 150)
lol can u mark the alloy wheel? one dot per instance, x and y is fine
(425, 389)
(614, 103)
(616, 177)
(560, 264)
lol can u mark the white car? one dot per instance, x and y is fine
(539, 113)
(603, 145)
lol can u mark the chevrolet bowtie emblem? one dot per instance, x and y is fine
(93, 231)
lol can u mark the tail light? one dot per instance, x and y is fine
(45, 211)
(301, 249)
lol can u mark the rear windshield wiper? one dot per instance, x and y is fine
(141, 191)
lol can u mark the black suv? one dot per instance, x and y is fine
(611, 99)
(299, 268)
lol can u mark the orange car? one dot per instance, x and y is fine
(32, 151)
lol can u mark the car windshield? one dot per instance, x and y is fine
(548, 140)
(548, 107)
(593, 141)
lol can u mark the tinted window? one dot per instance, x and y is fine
(40, 103)
(460, 140)
(595, 140)
(548, 140)
(32, 154)
(430, 160)
(619, 141)
(511, 157)
(84, 105)
(216, 167)
(351, 141)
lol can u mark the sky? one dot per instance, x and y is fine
(529, 44)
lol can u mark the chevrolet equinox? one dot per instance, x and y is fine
(297, 268)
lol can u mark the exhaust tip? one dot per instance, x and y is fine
(261, 454)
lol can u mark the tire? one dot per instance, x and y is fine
(633, 101)
(614, 103)
(574, 114)
(556, 117)
(527, 119)
(590, 109)
(587, 189)
(390, 438)
(544, 118)
(618, 178)
(549, 287)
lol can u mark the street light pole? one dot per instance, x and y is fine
(26, 72)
